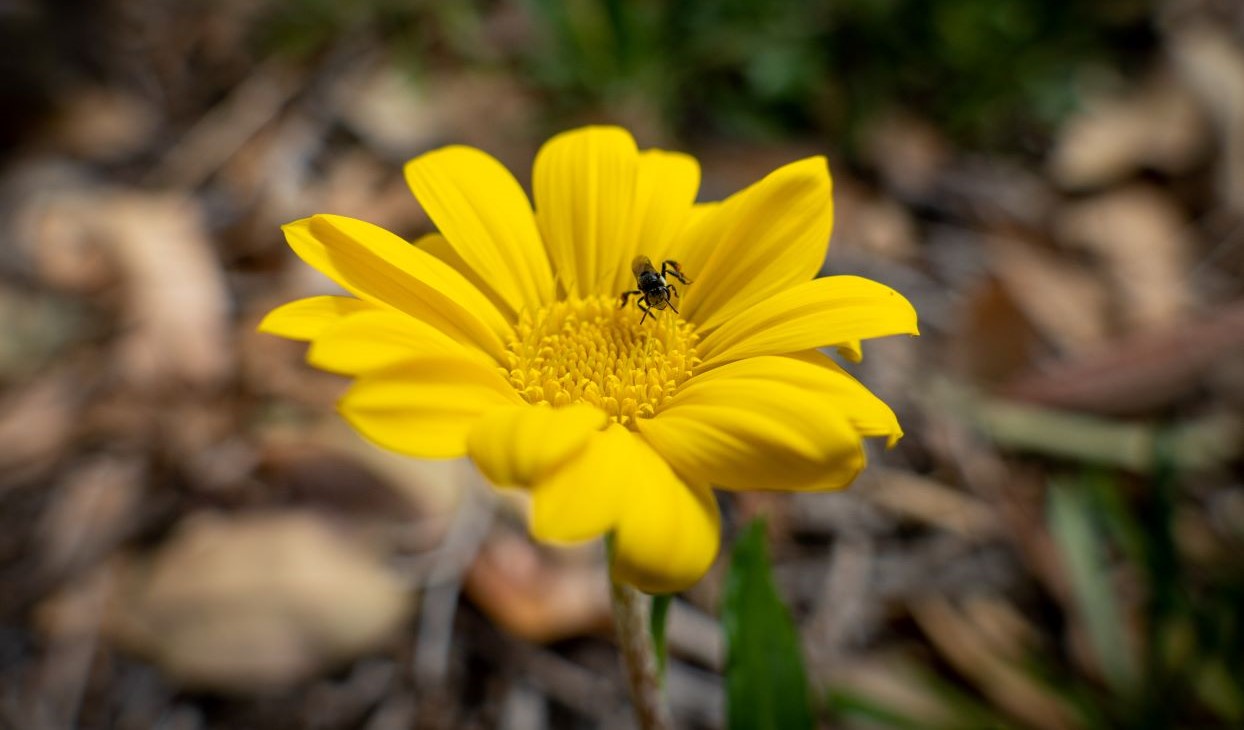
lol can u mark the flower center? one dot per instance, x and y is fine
(591, 351)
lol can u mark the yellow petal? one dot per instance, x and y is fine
(868, 414)
(813, 314)
(305, 319)
(666, 532)
(852, 350)
(427, 406)
(435, 244)
(484, 214)
(375, 340)
(695, 244)
(519, 446)
(583, 498)
(762, 240)
(584, 184)
(669, 531)
(666, 184)
(763, 423)
(380, 267)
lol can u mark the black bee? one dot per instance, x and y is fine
(654, 291)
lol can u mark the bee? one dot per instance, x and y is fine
(653, 289)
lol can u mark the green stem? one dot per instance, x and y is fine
(631, 610)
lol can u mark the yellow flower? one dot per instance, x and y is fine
(501, 338)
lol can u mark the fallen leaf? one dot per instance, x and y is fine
(90, 511)
(529, 594)
(1142, 240)
(1064, 302)
(930, 502)
(909, 153)
(103, 124)
(1142, 373)
(874, 224)
(254, 603)
(993, 338)
(971, 650)
(37, 424)
(1158, 127)
(1211, 61)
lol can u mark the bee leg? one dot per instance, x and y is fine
(626, 297)
(672, 307)
(647, 311)
(671, 288)
(672, 268)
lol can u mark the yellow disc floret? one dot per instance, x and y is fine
(591, 351)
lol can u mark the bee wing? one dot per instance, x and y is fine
(641, 264)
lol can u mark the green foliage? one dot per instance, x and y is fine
(1082, 548)
(989, 73)
(657, 625)
(765, 682)
(414, 30)
(1169, 652)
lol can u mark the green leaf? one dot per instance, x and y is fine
(765, 682)
(657, 621)
(1084, 554)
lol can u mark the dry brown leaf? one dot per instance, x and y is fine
(156, 248)
(971, 651)
(254, 603)
(873, 224)
(55, 224)
(534, 597)
(993, 339)
(929, 501)
(1143, 241)
(1158, 127)
(176, 300)
(909, 153)
(1001, 625)
(389, 109)
(896, 683)
(1066, 304)
(399, 116)
(103, 124)
(1142, 373)
(90, 511)
(37, 424)
(1211, 61)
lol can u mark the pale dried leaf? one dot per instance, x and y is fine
(1158, 127)
(37, 424)
(92, 508)
(1145, 372)
(896, 683)
(909, 153)
(969, 650)
(876, 225)
(534, 597)
(1143, 241)
(253, 603)
(1211, 61)
(176, 300)
(1065, 303)
(103, 124)
(929, 501)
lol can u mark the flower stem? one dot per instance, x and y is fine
(630, 618)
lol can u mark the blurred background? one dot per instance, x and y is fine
(190, 539)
